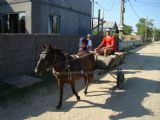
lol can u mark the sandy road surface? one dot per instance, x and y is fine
(139, 100)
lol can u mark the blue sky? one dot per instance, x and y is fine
(142, 8)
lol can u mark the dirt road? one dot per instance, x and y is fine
(140, 99)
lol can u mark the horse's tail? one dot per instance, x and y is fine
(95, 55)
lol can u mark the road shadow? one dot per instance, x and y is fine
(122, 102)
(145, 61)
(138, 48)
(128, 102)
(136, 89)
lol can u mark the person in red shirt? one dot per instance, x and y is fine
(108, 44)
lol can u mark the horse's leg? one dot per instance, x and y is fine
(89, 78)
(61, 84)
(74, 91)
(86, 84)
(85, 81)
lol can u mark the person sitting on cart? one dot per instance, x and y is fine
(108, 45)
(85, 44)
(89, 44)
(82, 44)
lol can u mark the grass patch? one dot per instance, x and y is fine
(10, 93)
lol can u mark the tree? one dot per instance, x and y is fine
(157, 34)
(127, 29)
(141, 27)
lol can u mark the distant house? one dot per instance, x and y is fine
(111, 25)
(107, 24)
(133, 33)
(68, 17)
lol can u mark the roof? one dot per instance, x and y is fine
(110, 25)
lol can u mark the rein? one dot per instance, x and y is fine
(65, 68)
(74, 58)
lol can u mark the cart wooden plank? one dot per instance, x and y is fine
(105, 62)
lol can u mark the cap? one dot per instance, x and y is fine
(108, 29)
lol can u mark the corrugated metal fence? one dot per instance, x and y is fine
(19, 52)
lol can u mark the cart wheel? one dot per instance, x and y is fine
(120, 80)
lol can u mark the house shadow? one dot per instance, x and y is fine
(128, 102)
(142, 61)
(46, 100)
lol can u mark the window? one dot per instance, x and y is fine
(12, 23)
(0, 23)
(5, 24)
(22, 28)
(53, 24)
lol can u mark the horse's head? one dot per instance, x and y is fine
(45, 61)
(49, 58)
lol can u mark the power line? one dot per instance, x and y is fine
(133, 9)
(152, 2)
(111, 5)
(104, 8)
(149, 4)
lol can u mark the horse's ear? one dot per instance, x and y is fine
(50, 46)
(44, 47)
(54, 47)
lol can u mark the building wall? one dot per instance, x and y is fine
(12, 1)
(12, 6)
(75, 15)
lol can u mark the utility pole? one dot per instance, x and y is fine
(146, 27)
(99, 13)
(92, 12)
(154, 34)
(102, 21)
(121, 20)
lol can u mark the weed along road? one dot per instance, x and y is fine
(139, 100)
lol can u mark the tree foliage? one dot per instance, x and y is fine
(127, 29)
(144, 24)
(157, 34)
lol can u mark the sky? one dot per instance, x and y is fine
(134, 10)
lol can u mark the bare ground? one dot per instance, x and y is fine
(140, 98)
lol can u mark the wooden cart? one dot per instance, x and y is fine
(110, 65)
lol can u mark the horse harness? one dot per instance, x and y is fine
(66, 69)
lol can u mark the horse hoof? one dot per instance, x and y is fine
(85, 93)
(58, 106)
(78, 98)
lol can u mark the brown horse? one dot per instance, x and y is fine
(67, 68)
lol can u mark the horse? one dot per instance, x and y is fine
(67, 68)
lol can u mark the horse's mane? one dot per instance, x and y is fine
(65, 54)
